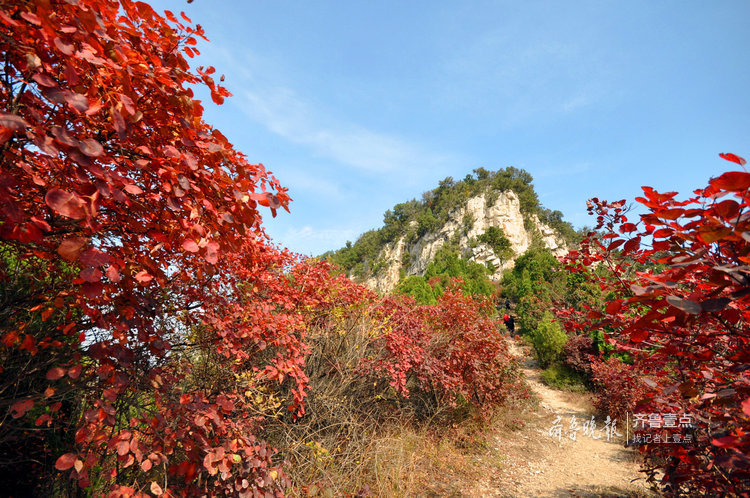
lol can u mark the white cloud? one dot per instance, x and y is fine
(298, 180)
(283, 113)
(316, 240)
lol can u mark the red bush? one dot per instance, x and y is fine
(620, 388)
(452, 349)
(680, 308)
(579, 352)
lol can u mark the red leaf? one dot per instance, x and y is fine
(684, 304)
(190, 245)
(113, 275)
(20, 408)
(63, 46)
(169, 15)
(45, 80)
(662, 233)
(613, 307)
(726, 442)
(55, 373)
(727, 209)
(670, 214)
(143, 277)
(75, 372)
(128, 103)
(91, 275)
(133, 189)
(615, 244)
(65, 203)
(212, 253)
(42, 420)
(32, 18)
(75, 100)
(735, 181)
(66, 461)
(12, 121)
(92, 290)
(146, 465)
(732, 157)
(632, 245)
(123, 447)
(94, 257)
(746, 407)
(639, 335)
(91, 148)
(70, 248)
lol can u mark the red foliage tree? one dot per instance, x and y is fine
(680, 307)
(128, 211)
(451, 350)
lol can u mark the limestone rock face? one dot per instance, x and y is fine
(466, 224)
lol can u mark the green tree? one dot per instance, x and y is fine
(418, 288)
(548, 340)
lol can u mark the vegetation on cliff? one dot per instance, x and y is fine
(415, 218)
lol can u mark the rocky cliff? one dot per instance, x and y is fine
(464, 228)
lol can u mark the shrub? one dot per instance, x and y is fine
(579, 352)
(678, 303)
(548, 340)
(562, 377)
(619, 387)
(448, 353)
(496, 239)
(418, 288)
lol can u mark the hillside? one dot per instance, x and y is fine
(489, 218)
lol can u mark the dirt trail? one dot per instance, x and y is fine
(537, 464)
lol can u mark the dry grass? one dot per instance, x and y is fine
(402, 460)
(359, 438)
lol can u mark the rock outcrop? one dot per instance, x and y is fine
(464, 226)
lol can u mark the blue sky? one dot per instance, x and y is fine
(356, 106)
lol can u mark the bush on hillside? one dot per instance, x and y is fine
(548, 340)
(579, 352)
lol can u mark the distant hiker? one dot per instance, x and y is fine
(507, 303)
(510, 324)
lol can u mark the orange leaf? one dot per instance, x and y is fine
(156, 489)
(70, 248)
(66, 461)
(143, 277)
